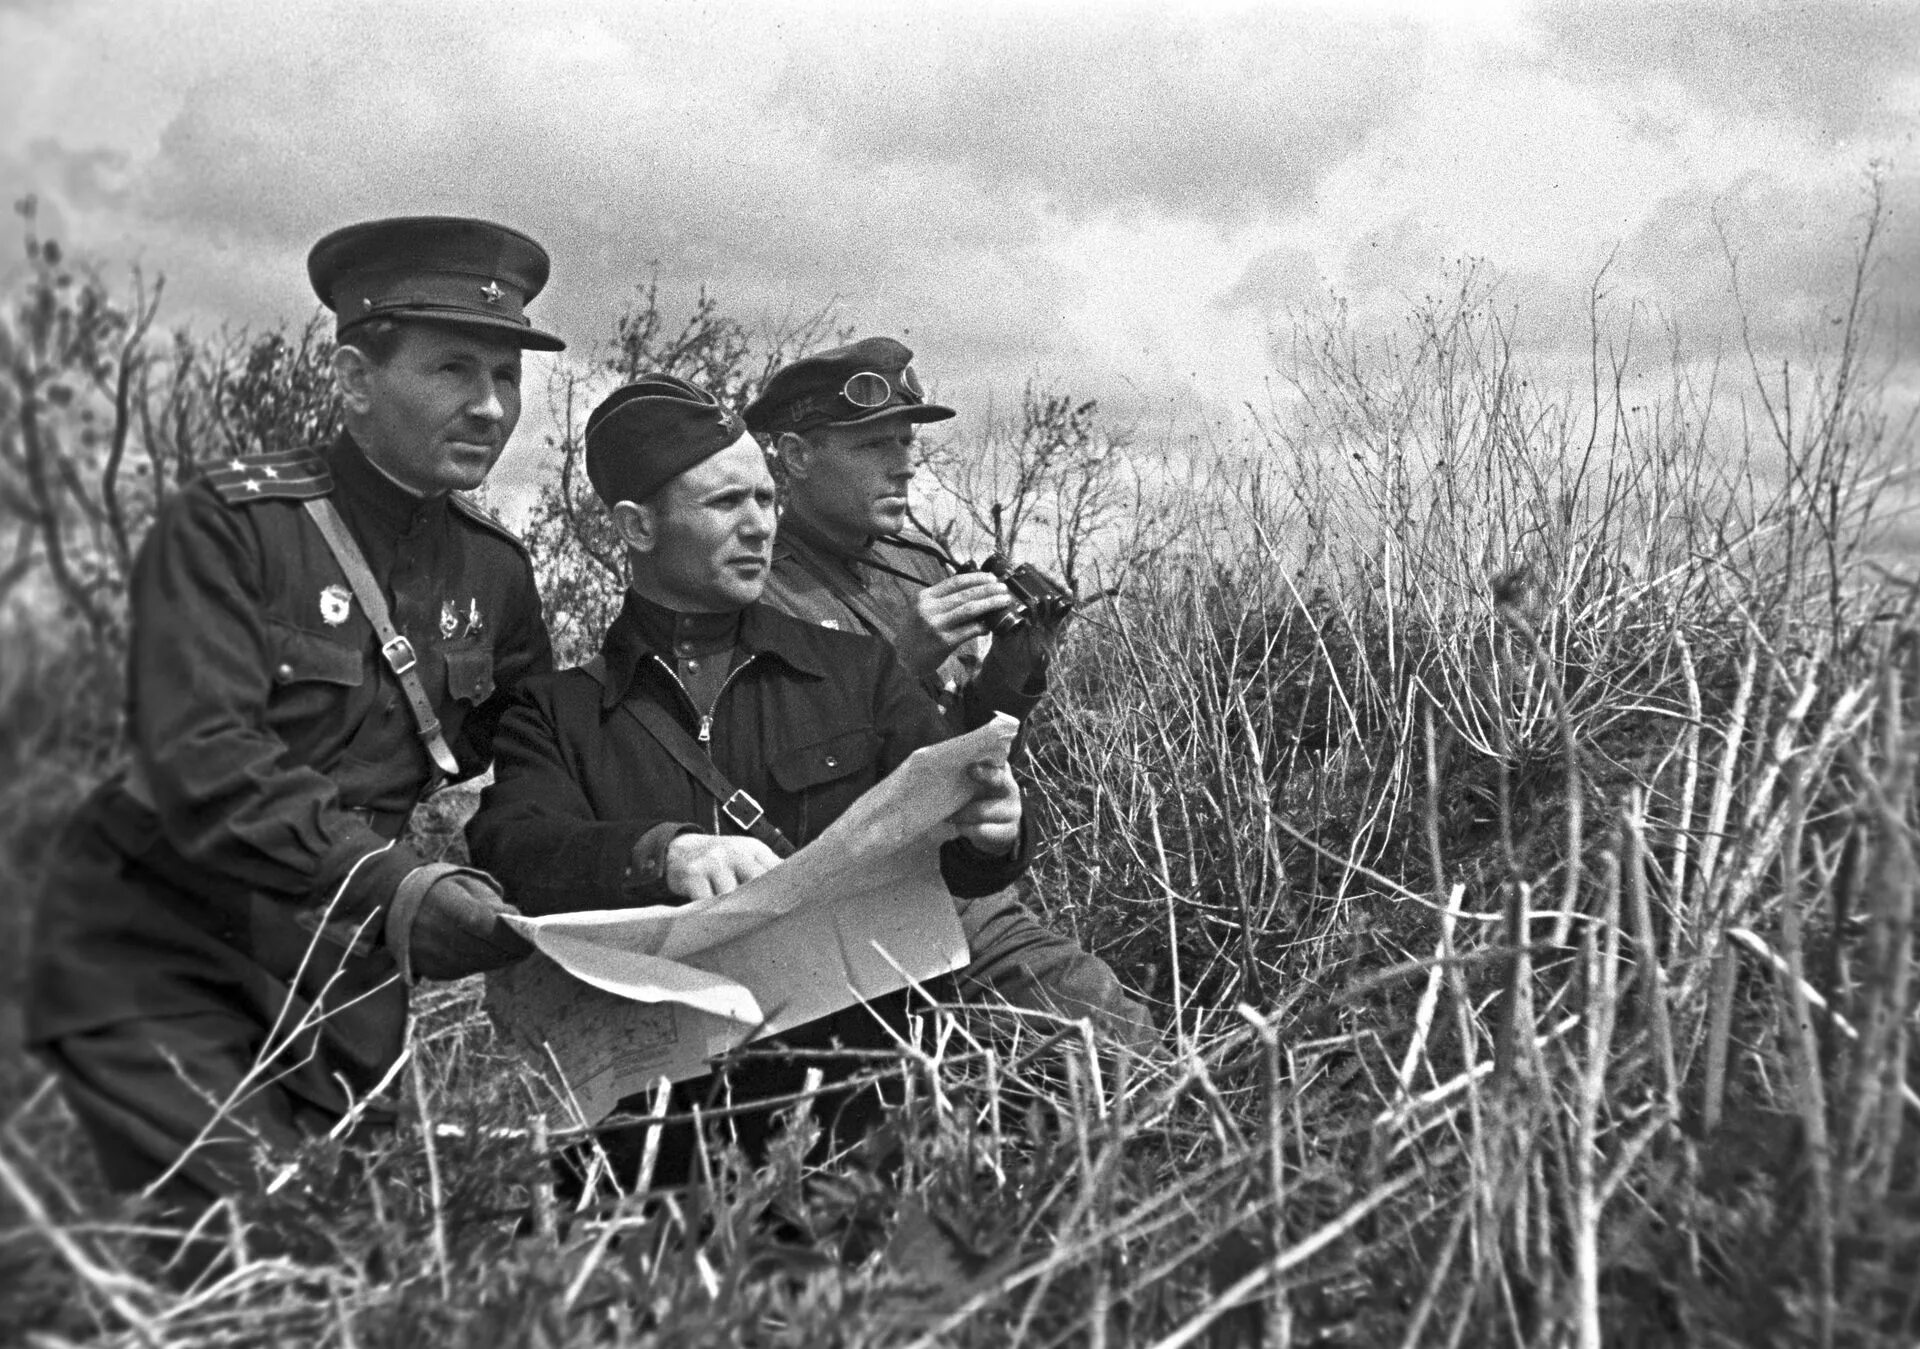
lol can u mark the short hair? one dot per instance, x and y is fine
(376, 338)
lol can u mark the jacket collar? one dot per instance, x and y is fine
(373, 494)
(798, 537)
(643, 630)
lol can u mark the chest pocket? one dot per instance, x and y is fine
(826, 776)
(302, 657)
(469, 673)
(316, 682)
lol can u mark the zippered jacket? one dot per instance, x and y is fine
(584, 800)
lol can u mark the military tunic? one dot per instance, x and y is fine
(1015, 955)
(873, 589)
(274, 764)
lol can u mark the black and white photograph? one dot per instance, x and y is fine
(1040, 673)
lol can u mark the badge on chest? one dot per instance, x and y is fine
(336, 602)
(452, 621)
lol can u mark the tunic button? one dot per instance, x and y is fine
(832, 762)
(285, 672)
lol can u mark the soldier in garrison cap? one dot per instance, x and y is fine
(615, 783)
(842, 423)
(320, 637)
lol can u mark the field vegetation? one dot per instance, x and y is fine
(1505, 793)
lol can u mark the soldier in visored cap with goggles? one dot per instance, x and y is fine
(320, 637)
(843, 423)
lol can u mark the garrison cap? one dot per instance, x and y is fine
(645, 434)
(447, 269)
(861, 382)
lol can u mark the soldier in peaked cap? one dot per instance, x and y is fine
(320, 637)
(842, 422)
(593, 807)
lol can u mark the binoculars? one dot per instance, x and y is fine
(1037, 597)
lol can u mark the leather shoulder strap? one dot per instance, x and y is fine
(293, 475)
(396, 650)
(877, 622)
(930, 549)
(737, 805)
(863, 608)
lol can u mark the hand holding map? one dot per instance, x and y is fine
(623, 997)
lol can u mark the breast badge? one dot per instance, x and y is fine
(449, 619)
(336, 602)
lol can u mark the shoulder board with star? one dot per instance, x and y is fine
(291, 475)
(485, 519)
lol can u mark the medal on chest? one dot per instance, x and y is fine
(453, 623)
(336, 602)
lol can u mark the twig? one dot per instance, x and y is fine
(1282, 1261)
(1803, 1056)
(433, 1181)
(117, 1289)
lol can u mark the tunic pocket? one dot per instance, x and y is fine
(300, 656)
(825, 761)
(823, 778)
(469, 673)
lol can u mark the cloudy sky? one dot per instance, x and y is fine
(1127, 201)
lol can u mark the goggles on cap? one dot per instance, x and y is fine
(870, 390)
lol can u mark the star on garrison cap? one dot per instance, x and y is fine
(647, 433)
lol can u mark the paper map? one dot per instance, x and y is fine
(623, 997)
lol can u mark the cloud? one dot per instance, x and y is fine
(613, 150)
(1275, 283)
(1223, 118)
(1839, 70)
(1119, 201)
(1777, 259)
(90, 180)
(1402, 253)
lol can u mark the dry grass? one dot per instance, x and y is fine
(1513, 814)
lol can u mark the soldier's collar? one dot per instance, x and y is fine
(667, 631)
(392, 506)
(795, 530)
(643, 629)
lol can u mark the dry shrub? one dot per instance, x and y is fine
(1510, 807)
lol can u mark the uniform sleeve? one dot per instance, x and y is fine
(537, 834)
(229, 797)
(521, 651)
(907, 720)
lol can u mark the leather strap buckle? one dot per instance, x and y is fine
(395, 649)
(399, 654)
(742, 809)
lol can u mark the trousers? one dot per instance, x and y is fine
(1018, 958)
(175, 1104)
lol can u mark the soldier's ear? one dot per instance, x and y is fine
(353, 379)
(795, 455)
(636, 523)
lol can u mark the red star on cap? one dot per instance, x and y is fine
(492, 291)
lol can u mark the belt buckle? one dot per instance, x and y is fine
(399, 655)
(745, 815)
